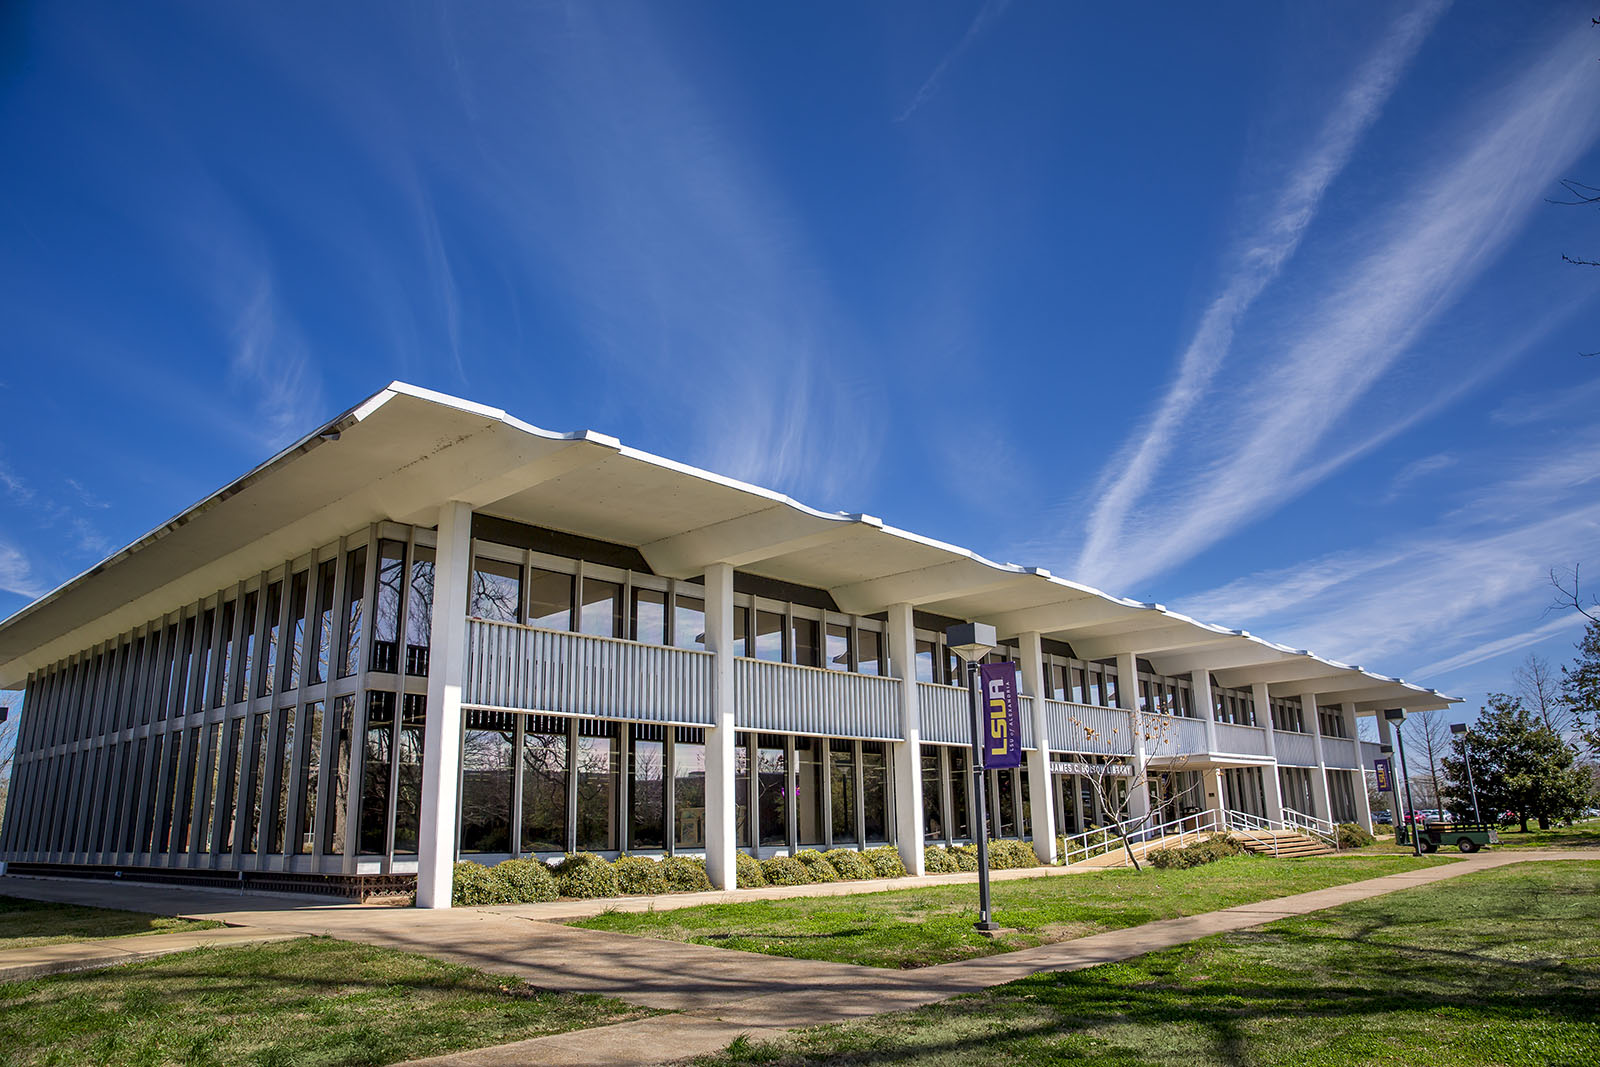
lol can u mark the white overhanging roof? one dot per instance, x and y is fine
(405, 450)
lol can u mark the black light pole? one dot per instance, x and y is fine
(1396, 716)
(972, 641)
(1460, 730)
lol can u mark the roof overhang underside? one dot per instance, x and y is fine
(404, 451)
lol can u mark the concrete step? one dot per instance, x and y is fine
(1281, 843)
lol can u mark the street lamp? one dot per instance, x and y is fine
(1460, 730)
(972, 641)
(1397, 716)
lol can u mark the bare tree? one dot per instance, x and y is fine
(1539, 687)
(1569, 595)
(1159, 731)
(1428, 742)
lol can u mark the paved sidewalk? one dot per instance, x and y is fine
(35, 961)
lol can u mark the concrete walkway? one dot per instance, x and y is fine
(35, 961)
(715, 994)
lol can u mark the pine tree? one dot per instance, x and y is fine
(1580, 688)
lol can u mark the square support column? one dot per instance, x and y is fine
(447, 675)
(1211, 784)
(1363, 802)
(1319, 780)
(1386, 737)
(1041, 790)
(1262, 700)
(1128, 700)
(722, 845)
(1200, 690)
(908, 753)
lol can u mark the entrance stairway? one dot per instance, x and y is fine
(1280, 843)
(1118, 857)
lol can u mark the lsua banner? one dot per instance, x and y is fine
(1002, 715)
(1380, 767)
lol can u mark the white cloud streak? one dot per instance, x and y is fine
(987, 14)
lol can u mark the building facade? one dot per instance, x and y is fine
(428, 630)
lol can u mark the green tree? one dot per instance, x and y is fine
(1580, 688)
(1518, 764)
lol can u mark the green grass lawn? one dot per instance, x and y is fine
(24, 923)
(919, 927)
(1501, 967)
(303, 1002)
(1579, 835)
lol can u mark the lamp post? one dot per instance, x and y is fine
(1397, 716)
(1460, 730)
(972, 641)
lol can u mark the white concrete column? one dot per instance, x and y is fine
(447, 674)
(1386, 737)
(1041, 790)
(1319, 780)
(1363, 804)
(722, 844)
(1274, 785)
(1200, 692)
(1211, 782)
(1128, 700)
(908, 753)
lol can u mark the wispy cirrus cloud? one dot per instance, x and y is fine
(1385, 285)
(17, 573)
(987, 14)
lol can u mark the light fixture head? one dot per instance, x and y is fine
(1458, 728)
(1395, 714)
(971, 640)
(1386, 750)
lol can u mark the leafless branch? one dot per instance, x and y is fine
(1573, 598)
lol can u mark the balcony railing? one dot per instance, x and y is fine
(1087, 729)
(1167, 736)
(1339, 752)
(1295, 750)
(783, 698)
(1241, 740)
(526, 668)
(946, 714)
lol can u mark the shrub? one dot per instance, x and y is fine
(1353, 835)
(685, 874)
(473, 883)
(1010, 855)
(583, 874)
(639, 876)
(886, 861)
(817, 865)
(751, 874)
(851, 865)
(526, 881)
(785, 870)
(966, 857)
(936, 860)
(1198, 854)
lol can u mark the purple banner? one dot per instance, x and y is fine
(1001, 715)
(1381, 768)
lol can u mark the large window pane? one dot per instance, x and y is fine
(741, 791)
(926, 651)
(689, 622)
(838, 647)
(544, 785)
(1004, 816)
(311, 725)
(408, 774)
(322, 638)
(769, 636)
(689, 788)
(842, 776)
(647, 787)
(377, 760)
(355, 588)
(875, 790)
(809, 789)
(258, 781)
(284, 763)
(549, 599)
(297, 631)
(933, 822)
(960, 824)
(337, 807)
(225, 666)
(650, 616)
(596, 767)
(1025, 816)
(207, 680)
(247, 638)
(772, 809)
(389, 587)
(210, 775)
(496, 592)
(870, 657)
(602, 609)
(419, 612)
(806, 650)
(269, 653)
(486, 771)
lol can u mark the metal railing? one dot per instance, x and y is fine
(1241, 739)
(784, 698)
(1257, 828)
(1321, 829)
(1088, 729)
(1143, 839)
(946, 714)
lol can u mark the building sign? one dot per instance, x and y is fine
(1001, 715)
(1115, 770)
(1381, 768)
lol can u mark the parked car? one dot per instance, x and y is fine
(1383, 818)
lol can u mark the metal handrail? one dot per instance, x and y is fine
(1104, 839)
(1255, 827)
(1310, 824)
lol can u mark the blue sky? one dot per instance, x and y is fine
(1256, 312)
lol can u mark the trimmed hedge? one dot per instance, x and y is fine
(886, 861)
(851, 865)
(785, 870)
(817, 865)
(685, 874)
(639, 876)
(526, 881)
(583, 875)
(1353, 835)
(1008, 855)
(966, 857)
(751, 874)
(1196, 855)
(473, 883)
(937, 860)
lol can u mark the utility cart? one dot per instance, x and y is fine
(1466, 836)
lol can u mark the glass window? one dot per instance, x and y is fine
(389, 588)
(810, 786)
(838, 650)
(647, 796)
(933, 825)
(355, 586)
(408, 773)
(960, 825)
(207, 686)
(741, 631)
(875, 790)
(688, 622)
(297, 630)
(650, 616)
(870, 658)
(210, 774)
(148, 836)
(602, 609)
(333, 830)
(741, 790)
(258, 781)
(1005, 791)
(486, 771)
(285, 767)
(323, 623)
(926, 651)
(596, 765)
(225, 668)
(130, 826)
(689, 788)
(1026, 814)
(311, 726)
(419, 613)
(842, 794)
(269, 653)
(806, 650)
(377, 760)
(772, 809)
(496, 591)
(1111, 689)
(550, 599)
(183, 814)
(544, 785)
(247, 637)
(769, 636)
